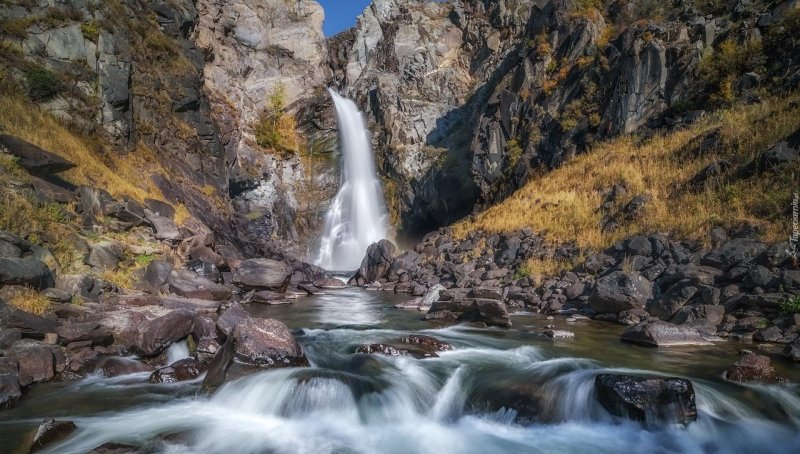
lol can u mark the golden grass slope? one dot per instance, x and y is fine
(564, 204)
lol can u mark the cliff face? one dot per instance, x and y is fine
(468, 98)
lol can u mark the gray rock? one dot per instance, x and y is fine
(115, 366)
(188, 284)
(329, 284)
(490, 312)
(32, 158)
(733, 253)
(653, 400)
(264, 274)
(704, 317)
(105, 255)
(620, 291)
(155, 276)
(182, 370)
(51, 432)
(376, 262)
(672, 300)
(161, 332)
(164, 228)
(232, 317)
(753, 368)
(9, 383)
(37, 361)
(27, 272)
(658, 333)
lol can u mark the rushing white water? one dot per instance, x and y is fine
(357, 216)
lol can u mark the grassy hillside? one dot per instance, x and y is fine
(565, 204)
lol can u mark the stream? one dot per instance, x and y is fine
(354, 403)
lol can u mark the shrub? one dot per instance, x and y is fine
(90, 31)
(791, 306)
(16, 28)
(43, 84)
(719, 68)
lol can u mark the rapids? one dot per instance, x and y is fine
(348, 403)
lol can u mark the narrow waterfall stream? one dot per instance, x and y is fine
(357, 216)
(454, 403)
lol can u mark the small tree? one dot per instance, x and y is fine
(275, 129)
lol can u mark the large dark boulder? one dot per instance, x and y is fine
(376, 263)
(262, 274)
(255, 343)
(652, 400)
(190, 285)
(490, 312)
(92, 332)
(752, 368)
(620, 291)
(658, 333)
(155, 276)
(32, 158)
(161, 332)
(29, 325)
(105, 255)
(27, 272)
(232, 316)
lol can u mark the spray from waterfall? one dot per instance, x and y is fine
(357, 217)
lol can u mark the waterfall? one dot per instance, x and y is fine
(357, 217)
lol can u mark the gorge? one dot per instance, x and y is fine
(459, 226)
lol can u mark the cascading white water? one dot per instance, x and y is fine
(357, 217)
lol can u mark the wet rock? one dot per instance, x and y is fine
(255, 343)
(161, 332)
(115, 366)
(620, 291)
(752, 368)
(114, 448)
(792, 350)
(657, 333)
(390, 350)
(490, 312)
(9, 383)
(51, 432)
(559, 334)
(426, 343)
(652, 400)
(329, 283)
(27, 272)
(262, 274)
(105, 255)
(182, 370)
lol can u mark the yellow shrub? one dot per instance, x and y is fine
(31, 301)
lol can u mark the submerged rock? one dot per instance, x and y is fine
(652, 400)
(50, 432)
(114, 366)
(182, 370)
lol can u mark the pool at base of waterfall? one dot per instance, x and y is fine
(496, 391)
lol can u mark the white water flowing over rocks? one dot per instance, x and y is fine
(357, 217)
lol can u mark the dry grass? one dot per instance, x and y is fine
(121, 277)
(121, 176)
(181, 214)
(31, 301)
(564, 204)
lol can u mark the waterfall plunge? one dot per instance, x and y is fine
(357, 217)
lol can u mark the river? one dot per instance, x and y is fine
(352, 403)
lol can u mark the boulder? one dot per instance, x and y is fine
(29, 325)
(232, 317)
(115, 448)
(792, 350)
(9, 383)
(426, 343)
(490, 312)
(115, 366)
(84, 331)
(733, 253)
(188, 284)
(620, 291)
(376, 262)
(255, 343)
(182, 370)
(155, 276)
(160, 208)
(392, 350)
(704, 317)
(161, 332)
(752, 368)
(672, 300)
(27, 272)
(51, 432)
(37, 361)
(163, 227)
(105, 255)
(658, 333)
(264, 274)
(652, 400)
(329, 283)
(32, 158)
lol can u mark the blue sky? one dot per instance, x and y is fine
(341, 14)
